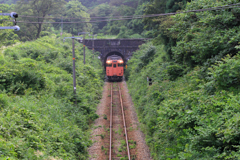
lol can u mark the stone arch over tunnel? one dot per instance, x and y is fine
(113, 53)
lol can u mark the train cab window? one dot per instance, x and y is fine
(114, 65)
(120, 65)
(108, 64)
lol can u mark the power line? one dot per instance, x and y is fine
(141, 16)
(200, 10)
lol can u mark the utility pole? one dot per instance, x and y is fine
(83, 33)
(84, 49)
(62, 27)
(93, 46)
(74, 73)
(13, 15)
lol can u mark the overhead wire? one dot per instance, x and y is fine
(132, 17)
(213, 8)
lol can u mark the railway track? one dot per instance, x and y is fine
(117, 147)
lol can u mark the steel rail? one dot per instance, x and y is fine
(110, 147)
(124, 123)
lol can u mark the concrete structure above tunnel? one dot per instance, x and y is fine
(121, 47)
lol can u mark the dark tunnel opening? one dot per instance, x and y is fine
(113, 53)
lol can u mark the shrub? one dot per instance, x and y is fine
(226, 73)
(18, 80)
(38, 116)
(186, 115)
(3, 101)
(174, 71)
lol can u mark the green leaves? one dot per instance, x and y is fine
(7, 37)
(17, 81)
(38, 118)
(75, 9)
(193, 116)
(225, 74)
(204, 35)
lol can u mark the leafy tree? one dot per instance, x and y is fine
(5, 8)
(206, 37)
(93, 3)
(102, 10)
(137, 25)
(160, 25)
(115, 2)
(114, 27)
(131, 3)
(124, 32)
(38, 8)
(75, 9)
(118, 8)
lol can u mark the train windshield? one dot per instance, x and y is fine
(109, 64)
(120, 65)
(114, 65)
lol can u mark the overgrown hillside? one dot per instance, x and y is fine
(38, 117)
(191, 111)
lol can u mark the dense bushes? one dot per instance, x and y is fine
(38, 117)
(190, 117)
(175, 71)
(191, 111)
(187, 113)
(20, 78)
(205, 35)
(226, 73)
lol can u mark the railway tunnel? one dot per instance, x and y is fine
(121, 47)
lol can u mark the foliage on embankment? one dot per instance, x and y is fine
(191, 111)
(38, 117)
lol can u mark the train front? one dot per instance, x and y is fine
(114, 68)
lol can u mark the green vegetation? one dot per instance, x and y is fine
(124, 158)
(123, 145)
(119, 155)
(82, 10)
(132, 144)
(119, 131)
(78, 10)
(105, 116)
(191, 111)
(38, 117)
(8, 37)
(101, 135)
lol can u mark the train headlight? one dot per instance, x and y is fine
(120, 61)
(108, 61)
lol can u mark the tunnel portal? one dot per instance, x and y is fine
(121, 47)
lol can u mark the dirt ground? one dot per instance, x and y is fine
(100, 135)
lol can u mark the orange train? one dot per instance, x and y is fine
(114, 68)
